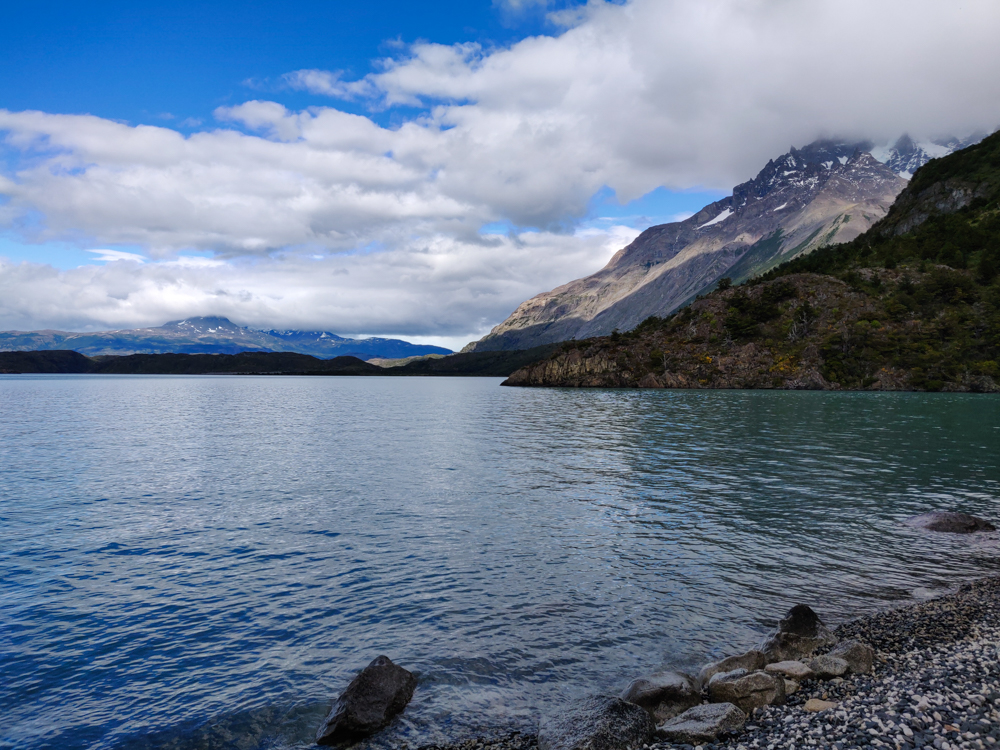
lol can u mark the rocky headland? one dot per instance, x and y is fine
(826, 193)
(912, 304)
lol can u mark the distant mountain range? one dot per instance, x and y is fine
(211, 335)
(826, 193)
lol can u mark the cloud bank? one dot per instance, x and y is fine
(629, 96)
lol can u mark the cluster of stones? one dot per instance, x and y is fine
(939, 688)
(937, 685)
(679, 708)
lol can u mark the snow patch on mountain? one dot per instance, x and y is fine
(718, 219)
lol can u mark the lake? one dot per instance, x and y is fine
(191, 562)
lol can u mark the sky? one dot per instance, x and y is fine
(420, 169)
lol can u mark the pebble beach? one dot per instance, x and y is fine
(935, 684)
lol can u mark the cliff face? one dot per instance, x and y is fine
(913, 304)
(825, 193)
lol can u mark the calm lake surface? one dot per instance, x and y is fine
(204, 562)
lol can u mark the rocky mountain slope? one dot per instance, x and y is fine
(826, 193)
(913, 304)
(211, 335)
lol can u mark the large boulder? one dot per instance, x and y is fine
(948, 521)
(663, 695)
(598, 723)
(860, 657)
(702, 724)
(747, 690)
(751, 661)
(379, 692)
(800, 634)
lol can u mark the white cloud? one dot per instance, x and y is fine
(633, 96)
(437, 286)
(111, 256)
(327, 83)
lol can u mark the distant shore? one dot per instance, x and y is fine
(65, 362)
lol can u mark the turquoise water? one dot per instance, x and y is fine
(206, 561)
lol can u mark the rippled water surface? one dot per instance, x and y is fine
(203, 562)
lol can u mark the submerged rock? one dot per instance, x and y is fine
(598, 723)
(800, 634)
(702, 723)
(379, 692)
(951, 522)
(663, 695)
(747, 691)
(750, 661)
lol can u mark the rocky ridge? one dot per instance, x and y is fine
(825, 193)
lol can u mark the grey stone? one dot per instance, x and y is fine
(948, 521)
(815, 705)
(750, 661)
(598, 723)
(827, 667)
(663, 695)
(859, 656)
(794, 670)
(800, 634)
(379, 692)
(702, 723)
(747, 691)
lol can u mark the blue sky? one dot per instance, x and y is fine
(137, 61)
(172, 64)
(420, 169)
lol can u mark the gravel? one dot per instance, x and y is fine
(936, 684)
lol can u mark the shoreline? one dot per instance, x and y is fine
(935, 684)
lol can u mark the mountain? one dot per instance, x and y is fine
(912, 304)
(211, 335)
(826, 193)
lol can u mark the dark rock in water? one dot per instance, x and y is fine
(663, 695)
(702, 723)
(860, 657)
(955, 523)
(380, 691)
(750, 661)
(598, 723)
(747, 691)
(800, 634)
(801, 620)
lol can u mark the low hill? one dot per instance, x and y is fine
(483, 364)
(480, 364)
(912, 304)
(284, 363)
